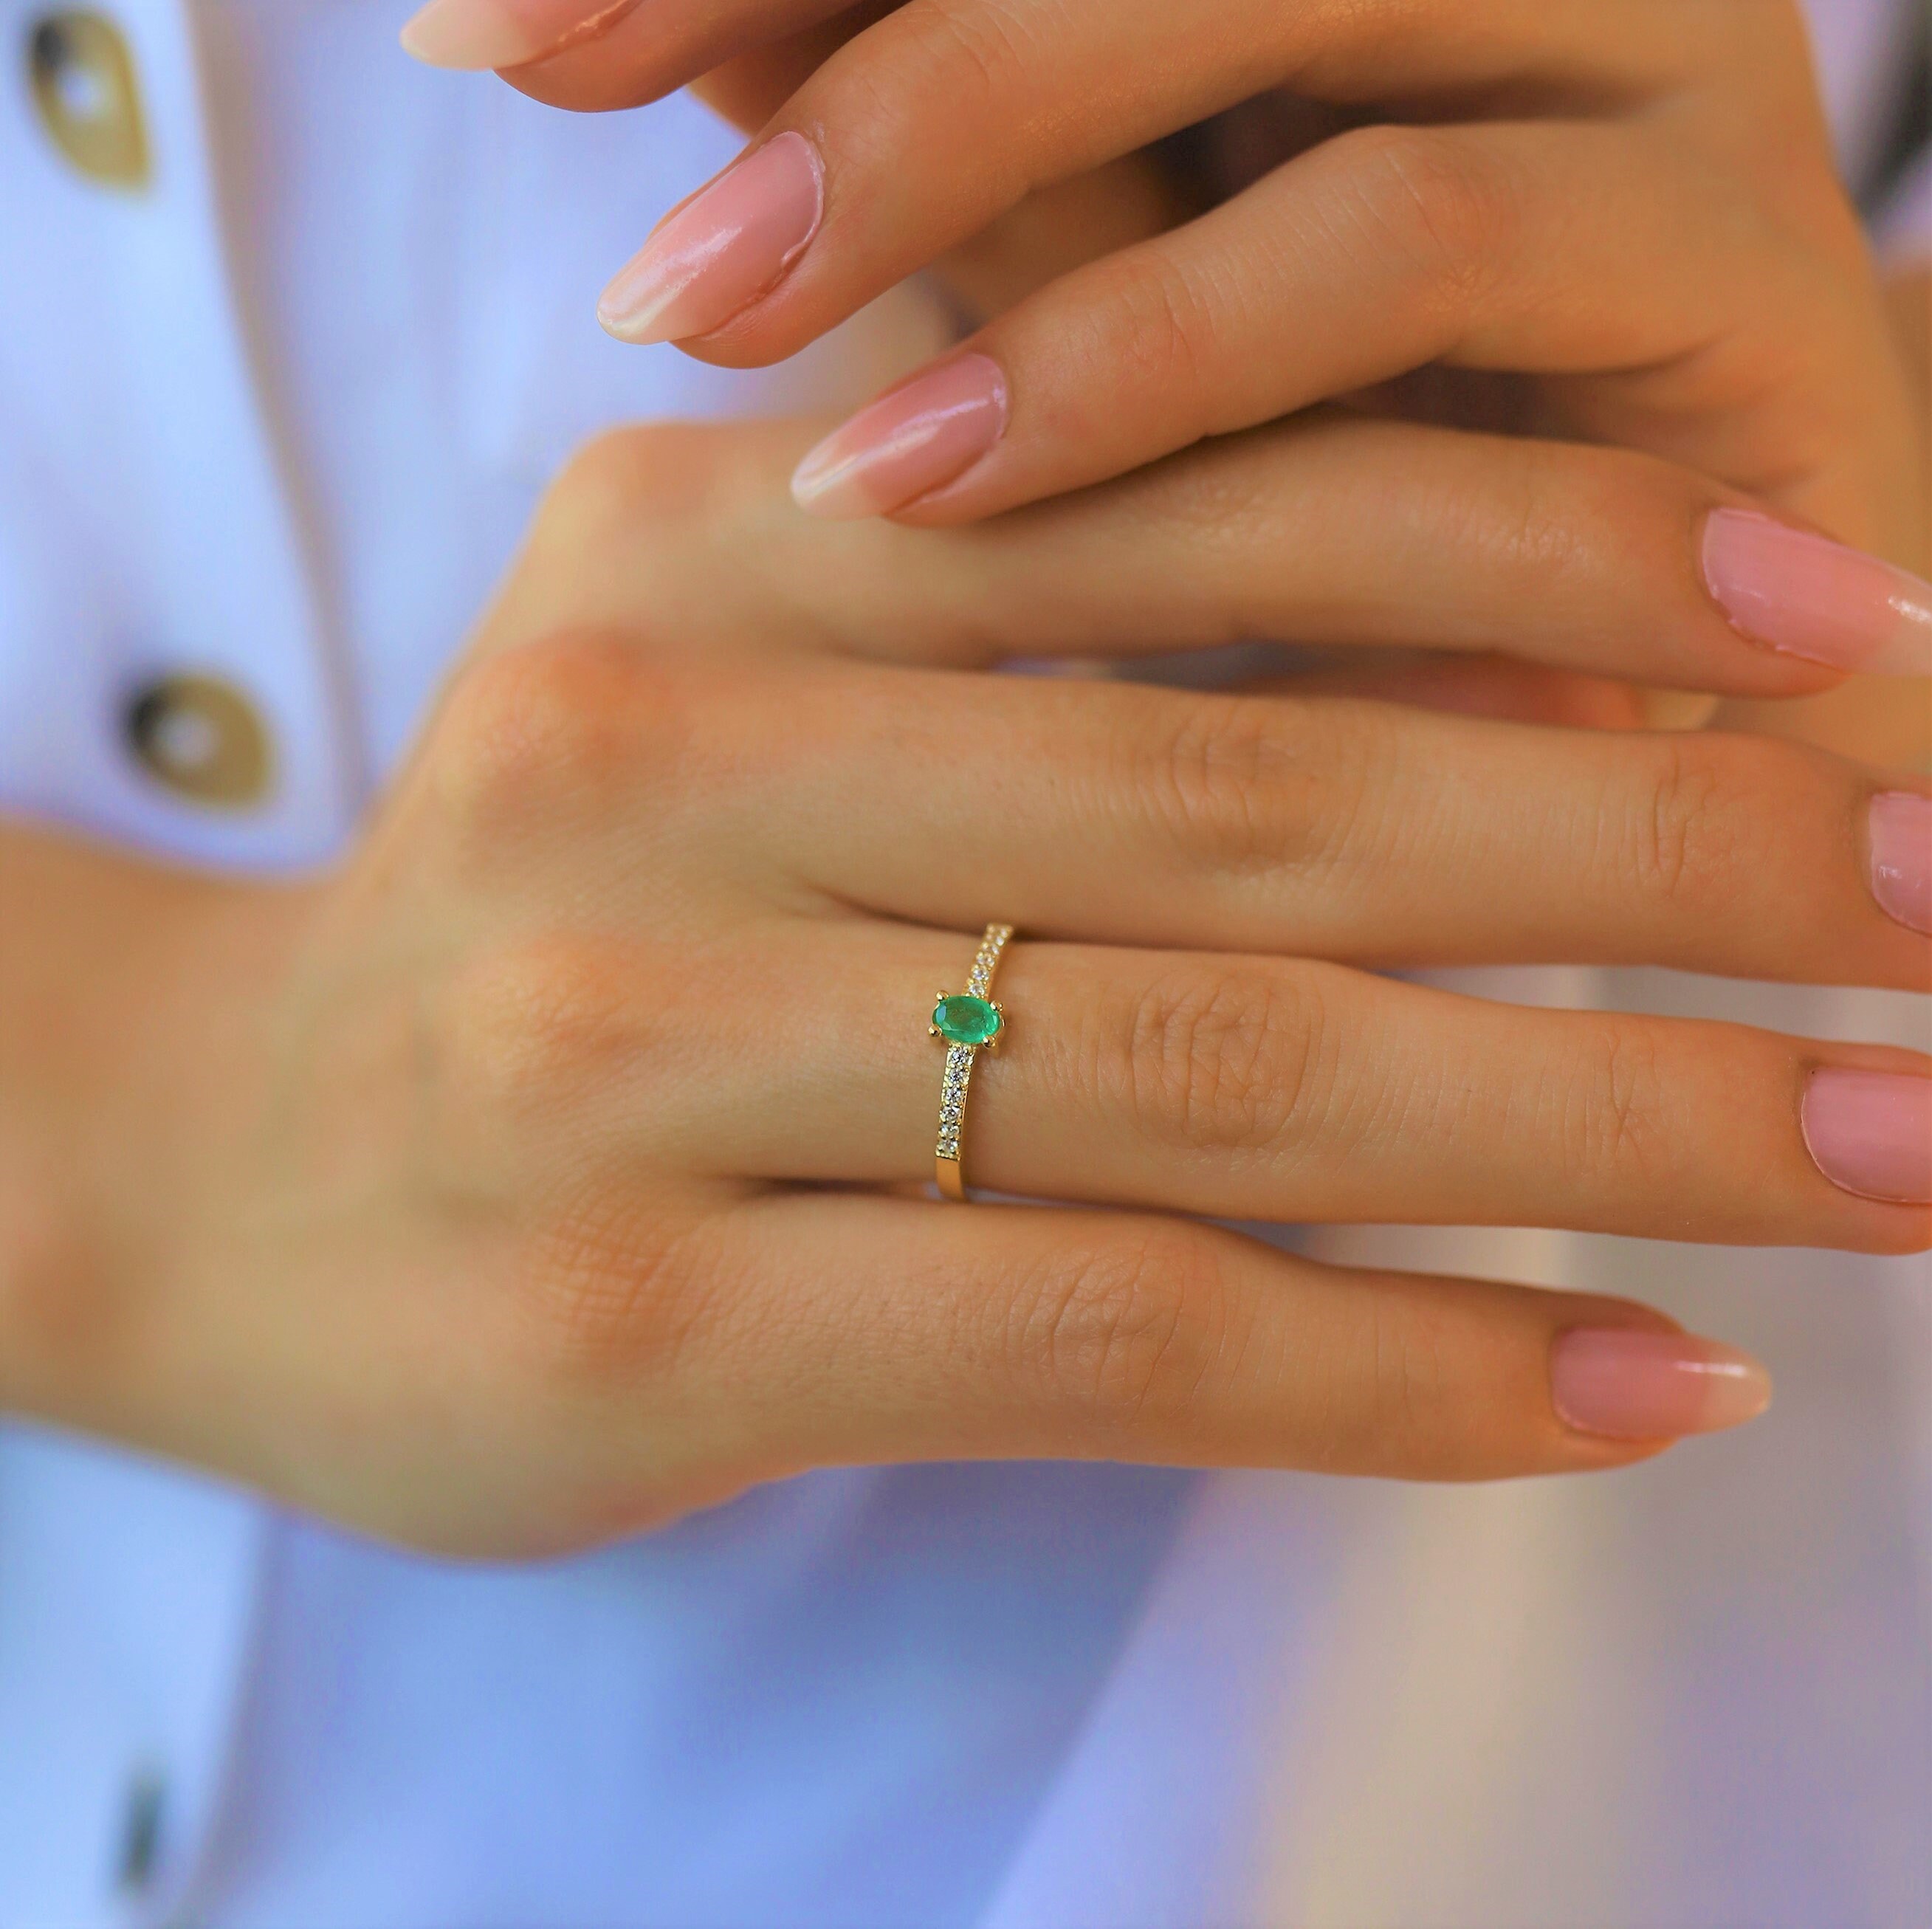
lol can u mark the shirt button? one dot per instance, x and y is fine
(89, 103)
(202, 738)
(144, 1811)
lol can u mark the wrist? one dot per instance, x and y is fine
(133, 1019)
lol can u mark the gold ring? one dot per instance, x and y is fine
(970, 1023)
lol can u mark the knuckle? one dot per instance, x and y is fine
(941, 63)
(977, 45)
(612, 1288)
(1553, 512)
(1267, 790)
(635, 512)
(536, 1028)
(1129, 1333)
(1667, 821)
(623, 482)
(1695, 820)
(1163, 327)
(1616, 1111)
(1447, 209)
(1218, 775)
(558, 727)
(1615, 522)
(1222, 1059)
(1417, 1401)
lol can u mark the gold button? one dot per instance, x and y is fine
(202, 738)
(89, 101)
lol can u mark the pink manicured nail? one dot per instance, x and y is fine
(1813, 598)
(473, 34)
(1900, 826)
(1871, 1132)
(914, 439)
(1634, 1385)
(730, 244)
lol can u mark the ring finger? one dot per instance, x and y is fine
(1264, 1089)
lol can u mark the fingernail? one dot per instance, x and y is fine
(1808, 596)
(1636, 1385)
(914, 439)
(473, 34)
(1900, 829)
(727, 246)
(1871, 1132)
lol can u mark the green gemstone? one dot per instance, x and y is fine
(963, 1019)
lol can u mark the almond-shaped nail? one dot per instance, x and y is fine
(1870, 1133)
(1899, 835)
(914, 439)
(1630, 1385)
(1808, 596)
(730, 244)
(474, 35)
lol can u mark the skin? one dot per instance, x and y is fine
(551, 1167)
(1592, 224)
(1633, 210)
(554, 1165)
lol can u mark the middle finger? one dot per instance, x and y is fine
(1359, 831)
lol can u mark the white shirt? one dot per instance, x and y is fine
(275, 421)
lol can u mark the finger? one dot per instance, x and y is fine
(1377, 833)
(1481, 686)
(1333, 531)
(597, 54)
(1251, 1088)
(1374, 833)
(967, 58)
(1060, 227)
(897, 124)
(748, 89)
(1564, 251)
(883, 1330)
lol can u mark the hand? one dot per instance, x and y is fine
(555, 1166)
(1631, 211)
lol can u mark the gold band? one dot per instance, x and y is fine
(970, 1023)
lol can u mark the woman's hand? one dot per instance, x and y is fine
(556, 1166)
(1621, 220)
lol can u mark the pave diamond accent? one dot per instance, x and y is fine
(979, 980)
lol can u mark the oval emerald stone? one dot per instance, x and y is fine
(963, 1019)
